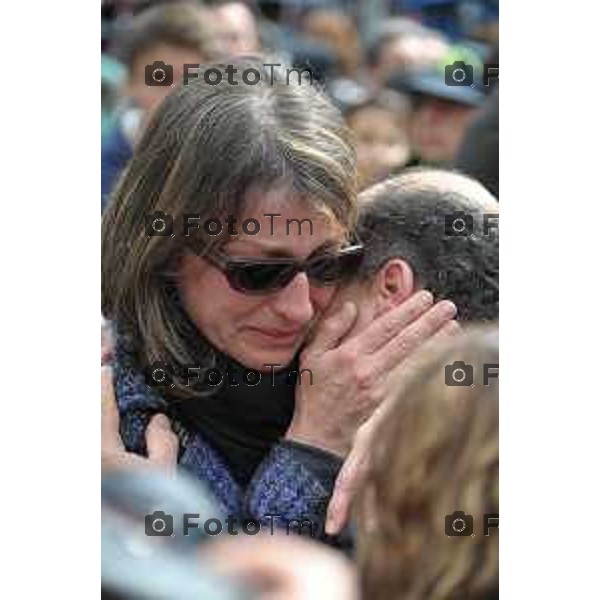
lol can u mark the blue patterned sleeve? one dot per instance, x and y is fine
(291, 489)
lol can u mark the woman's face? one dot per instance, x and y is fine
(268, 329)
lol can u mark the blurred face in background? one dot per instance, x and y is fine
(382, 143)
(235, 29)
(148, 97)
(337, 31)
(409, 53)
(438, 127)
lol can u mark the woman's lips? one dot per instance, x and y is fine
(278, 335)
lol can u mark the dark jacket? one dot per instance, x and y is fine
(479, 154)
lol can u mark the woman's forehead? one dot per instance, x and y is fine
(279, 222)
(282, 200)
(273, 215)
(293, 233)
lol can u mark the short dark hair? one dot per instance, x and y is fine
(181, 24)
(407, 217)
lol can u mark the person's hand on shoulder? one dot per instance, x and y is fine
(356, 466)
(161, 441)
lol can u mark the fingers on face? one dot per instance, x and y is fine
(390, 324)
(414, 334)
(333, 329)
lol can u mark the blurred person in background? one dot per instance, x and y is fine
(337, 31)
(137, 561)
(442, 114)
(403, 46)
(436, 453)
(475, 19)
(111, 90)
(283, 568)
(406, 225)
(381, 127)
(248, 301)
(235, 27)
(479, 152)
(175, 33)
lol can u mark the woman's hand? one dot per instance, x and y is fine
(356, 466)
(349, 375)
(161, 441)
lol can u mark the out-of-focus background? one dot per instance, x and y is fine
(390, 65)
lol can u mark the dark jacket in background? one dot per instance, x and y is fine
(479, 152)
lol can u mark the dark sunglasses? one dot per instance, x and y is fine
(264, 275)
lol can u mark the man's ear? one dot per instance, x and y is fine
(395, 282)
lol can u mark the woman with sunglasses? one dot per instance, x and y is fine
(191, 299)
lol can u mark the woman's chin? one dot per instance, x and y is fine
(265, 360)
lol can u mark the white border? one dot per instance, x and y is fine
(49, 332)
(549, 308)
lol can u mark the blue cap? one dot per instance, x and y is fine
(453, 84)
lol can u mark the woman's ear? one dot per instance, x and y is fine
(395, 282)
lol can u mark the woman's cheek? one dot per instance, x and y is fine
(321, 298)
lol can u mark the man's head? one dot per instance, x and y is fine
(406, 224)
(175, 34)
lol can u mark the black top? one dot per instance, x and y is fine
(241, 421)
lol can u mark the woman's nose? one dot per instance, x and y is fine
(293, 302)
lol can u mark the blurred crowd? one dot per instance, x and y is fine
(426, 145)
(382, 63)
